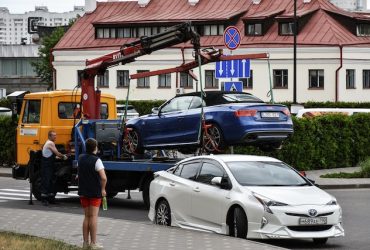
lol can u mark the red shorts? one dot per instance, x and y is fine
(86, 202)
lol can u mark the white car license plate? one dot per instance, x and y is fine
(270, 115)
(313, 221)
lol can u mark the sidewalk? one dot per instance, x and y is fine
(118, 234)
(325, 183)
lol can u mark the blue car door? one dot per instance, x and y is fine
(192, 121)
(167, 127)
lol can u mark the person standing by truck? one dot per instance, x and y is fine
(49, 152)
(91, 188)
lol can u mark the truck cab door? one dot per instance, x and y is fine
(28, 130)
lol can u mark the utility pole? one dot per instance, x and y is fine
(295, 54)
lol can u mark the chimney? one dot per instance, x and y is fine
(193, 2)
(306, 1)
(256, 1)
(143, 3)
(90, 6)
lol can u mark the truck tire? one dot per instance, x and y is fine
(36, 185)
(146, 185)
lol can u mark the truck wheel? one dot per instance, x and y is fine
(36, 186)
(146, 186)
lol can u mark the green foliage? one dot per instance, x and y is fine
(330, 141)
(7, 140)
(43, 66)
(363, 173)
(143, 107)
(332, 104)
(4, 102)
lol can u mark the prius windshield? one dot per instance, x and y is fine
(259, 173)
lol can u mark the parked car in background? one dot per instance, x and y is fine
(5, 111)
(312, 112)
(231, 118)
(131, 111)
(243, 196)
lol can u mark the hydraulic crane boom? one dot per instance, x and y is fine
(127, 53)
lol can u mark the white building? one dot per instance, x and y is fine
(333, 56)
(18, 28)
(351, 5)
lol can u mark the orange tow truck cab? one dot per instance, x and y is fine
(55, 110)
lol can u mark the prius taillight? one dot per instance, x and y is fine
(249, 112)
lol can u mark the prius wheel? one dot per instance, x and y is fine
(163, 214)
(320, 241)
(131, 142)
(239, 224)
(213, 141)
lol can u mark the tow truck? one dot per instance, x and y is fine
(96, 118)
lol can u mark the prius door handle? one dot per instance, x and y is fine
(196, 189)
(172, 184)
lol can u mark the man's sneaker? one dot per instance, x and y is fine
(96, 246)
(85, 245)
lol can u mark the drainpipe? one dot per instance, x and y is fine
(337, 73)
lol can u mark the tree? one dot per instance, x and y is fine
(43, 66)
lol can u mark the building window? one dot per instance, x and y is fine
(247, 82)
(210, 79)
(316, 78)
(186, 81)
(366, 79)
(254, 29)
(143, 82)
(363, 29)
(103, 80)
(123, 78)
(164, 81)
(213, 30)
(350, 78)
(280, 79)
(286, 29)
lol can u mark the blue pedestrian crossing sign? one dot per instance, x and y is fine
(232, 37)
(233, 68)
(233, 86)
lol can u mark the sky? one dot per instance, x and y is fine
(21, 6)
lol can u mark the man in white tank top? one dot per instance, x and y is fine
(49, 152)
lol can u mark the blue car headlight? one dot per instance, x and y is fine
(267, 203)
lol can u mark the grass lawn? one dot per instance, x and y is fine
(14, 241)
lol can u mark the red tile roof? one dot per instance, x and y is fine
(322, 29)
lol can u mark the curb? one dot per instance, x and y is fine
(5, 175)
(345, 186)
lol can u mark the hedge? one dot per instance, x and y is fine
(7, 140)
(143, 107)
(330, 141)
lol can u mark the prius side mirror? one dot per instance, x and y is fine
(222, 182)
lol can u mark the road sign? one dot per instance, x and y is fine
(232, 37)
(233, 86)
(233, 68)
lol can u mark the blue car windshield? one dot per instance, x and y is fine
(241, 98)
(259, 173)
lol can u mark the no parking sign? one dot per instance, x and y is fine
(232, 37)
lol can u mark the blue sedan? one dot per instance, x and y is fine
(229, 118)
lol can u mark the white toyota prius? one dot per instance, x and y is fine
(252, 197)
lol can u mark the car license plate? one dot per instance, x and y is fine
(313, 221)
(270, 115)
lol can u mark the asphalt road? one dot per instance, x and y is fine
(355, 204)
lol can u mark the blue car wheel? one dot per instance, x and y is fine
(213, 141)
(131, 142)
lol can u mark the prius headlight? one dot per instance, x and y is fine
(332, 202)
(267, 203)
